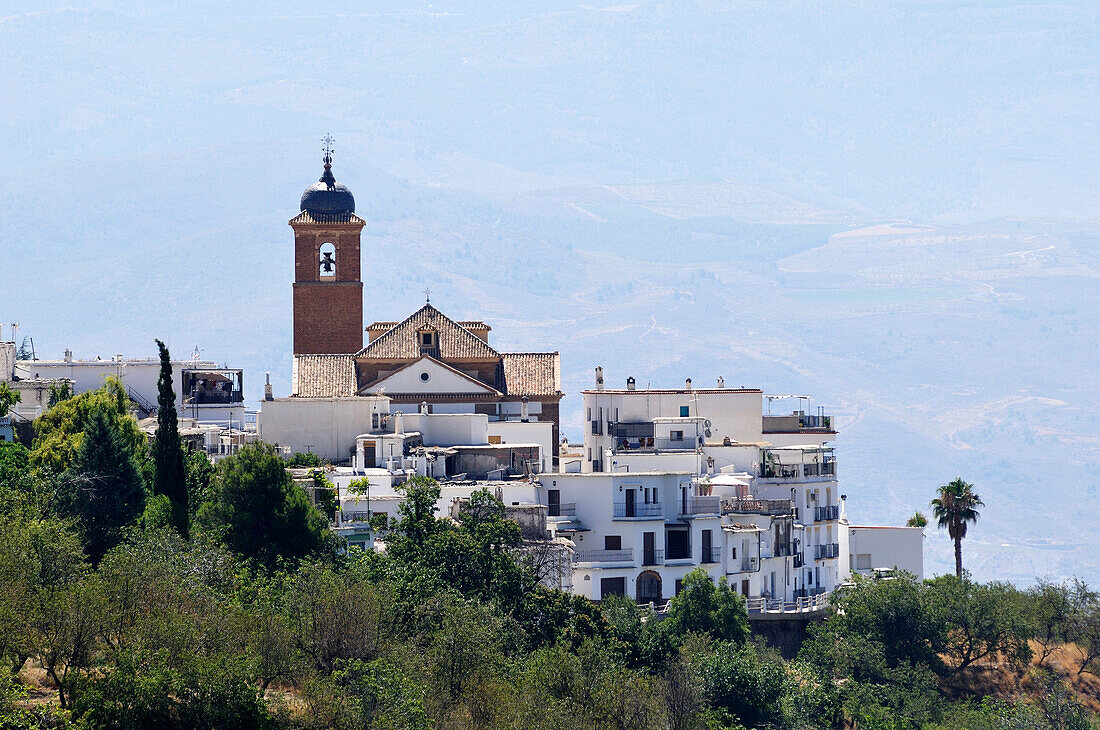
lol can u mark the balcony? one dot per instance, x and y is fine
(604, 556)
(824, 552)
(747, 565)
(711, 555)
(562, 509)
(653, 557)
(797, 422)
(824, 514)
(821, 471)
(700, 506)
(630, 510)
(733, 505)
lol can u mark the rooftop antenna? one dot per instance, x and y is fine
(195, 353)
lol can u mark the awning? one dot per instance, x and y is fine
(726, 480)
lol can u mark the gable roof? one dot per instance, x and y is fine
(532, 373)
(476, 386)
(323, 376)
(455, 341)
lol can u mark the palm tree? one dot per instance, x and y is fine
(954, 508)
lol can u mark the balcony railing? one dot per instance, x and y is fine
(747, 565)
(604, 556)
(700, 505)
(637, 509)
(733, 505)
(798, 471)
(828, 512)
(798, 561)
(711, 555)
(801, 604)
(653, 557)
(829, 550)
(562, 509)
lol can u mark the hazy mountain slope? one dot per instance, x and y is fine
(667, 190)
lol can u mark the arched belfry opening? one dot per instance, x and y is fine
(326, 260)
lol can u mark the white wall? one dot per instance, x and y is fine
(440, 380)
(886, 547)
(327, 426)
(532, 432)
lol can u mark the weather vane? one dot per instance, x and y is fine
(427, 295)
(327, 149)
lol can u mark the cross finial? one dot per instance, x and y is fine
(327, 149)
(427, 295)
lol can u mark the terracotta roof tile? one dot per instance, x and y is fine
(455, 341)
(323, 376)
(532, 373)
(306, 217)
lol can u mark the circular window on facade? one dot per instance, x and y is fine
(424, 377)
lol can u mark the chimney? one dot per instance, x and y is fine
(267, 387)
(687, 384)
(599, 378)
(721, 382)
(399, 422)
(424, 406)
(523, 412)
(68, 355)
(630, 383)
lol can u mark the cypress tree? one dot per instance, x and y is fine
(170, 474)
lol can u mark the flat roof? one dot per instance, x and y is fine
(672, 391)
(617, 474)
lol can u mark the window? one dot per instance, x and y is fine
(427, 339)
(675, 435)
(685, 411)
(613, 542)
(863, 561)
(612, 587)
(326, 261)
(679, 586)
(424, 377)
(374, 420)
(589, 415)
(734, 556)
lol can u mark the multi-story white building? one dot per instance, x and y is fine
(771, 478)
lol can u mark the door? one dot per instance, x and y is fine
(369, 459)
(553, 502)
(707, 557)
(629, 503)
(745, 588)
(649, 548)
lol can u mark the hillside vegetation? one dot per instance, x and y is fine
(259, 619)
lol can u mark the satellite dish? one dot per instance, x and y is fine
(707, 433)
(706, 424)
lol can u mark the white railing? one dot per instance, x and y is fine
(700, 505)
(804, 604)
(604, 556)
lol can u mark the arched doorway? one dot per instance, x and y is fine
(649, 587)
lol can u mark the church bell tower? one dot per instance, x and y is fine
(328, 287)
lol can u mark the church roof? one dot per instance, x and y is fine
(401, 341)
(323, 376)
(532, 373)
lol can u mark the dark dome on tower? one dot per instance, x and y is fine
(326, 196)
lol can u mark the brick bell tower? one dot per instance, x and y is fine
(328, 288)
